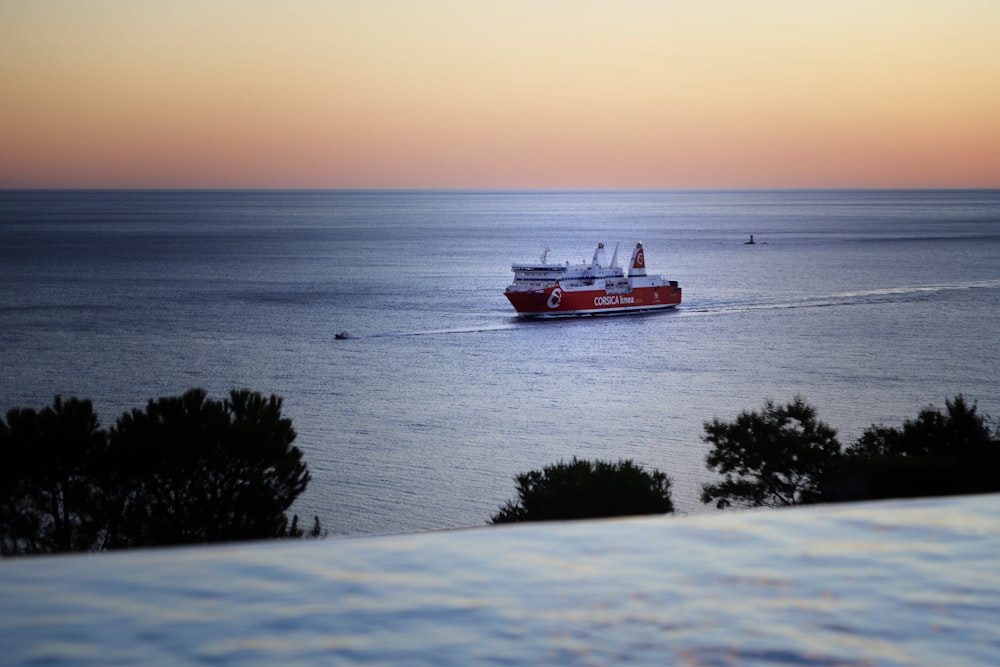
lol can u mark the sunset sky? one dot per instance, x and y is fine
(500, 94)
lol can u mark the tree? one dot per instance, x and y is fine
(780, 456)
(184, 470)
(199, 470)
(938, 453)
(49, 500)
(587, 489)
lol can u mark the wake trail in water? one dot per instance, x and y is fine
(431, 332)
(851, 298)
(703, 309)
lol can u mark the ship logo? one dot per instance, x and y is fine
(555, 298)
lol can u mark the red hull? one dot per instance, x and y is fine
(557, 301)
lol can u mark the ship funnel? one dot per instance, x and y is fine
(614, 257)
(638, 265)
(599, 257)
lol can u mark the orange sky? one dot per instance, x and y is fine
(513, 94)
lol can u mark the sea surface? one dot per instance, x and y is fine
(868, 304)
(902, 583)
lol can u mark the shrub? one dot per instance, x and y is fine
(587, 489)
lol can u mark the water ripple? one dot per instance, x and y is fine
(897, 583)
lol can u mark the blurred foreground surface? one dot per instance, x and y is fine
(896, 583)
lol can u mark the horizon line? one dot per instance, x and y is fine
(493, 190)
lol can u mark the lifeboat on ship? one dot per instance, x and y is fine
(544, 289)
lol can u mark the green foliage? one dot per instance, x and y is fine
(958, 431)
(207, 471)
(49, 496)
(938, 453)
(587, 489)
(185, 470)
(189, 469)
(780, 456)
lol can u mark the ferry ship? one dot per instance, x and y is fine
(554, 290)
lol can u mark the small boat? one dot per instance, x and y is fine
(342, 335)
(751, 241)
(544, 289)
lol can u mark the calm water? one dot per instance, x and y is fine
(870, 305)
(892, 584)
